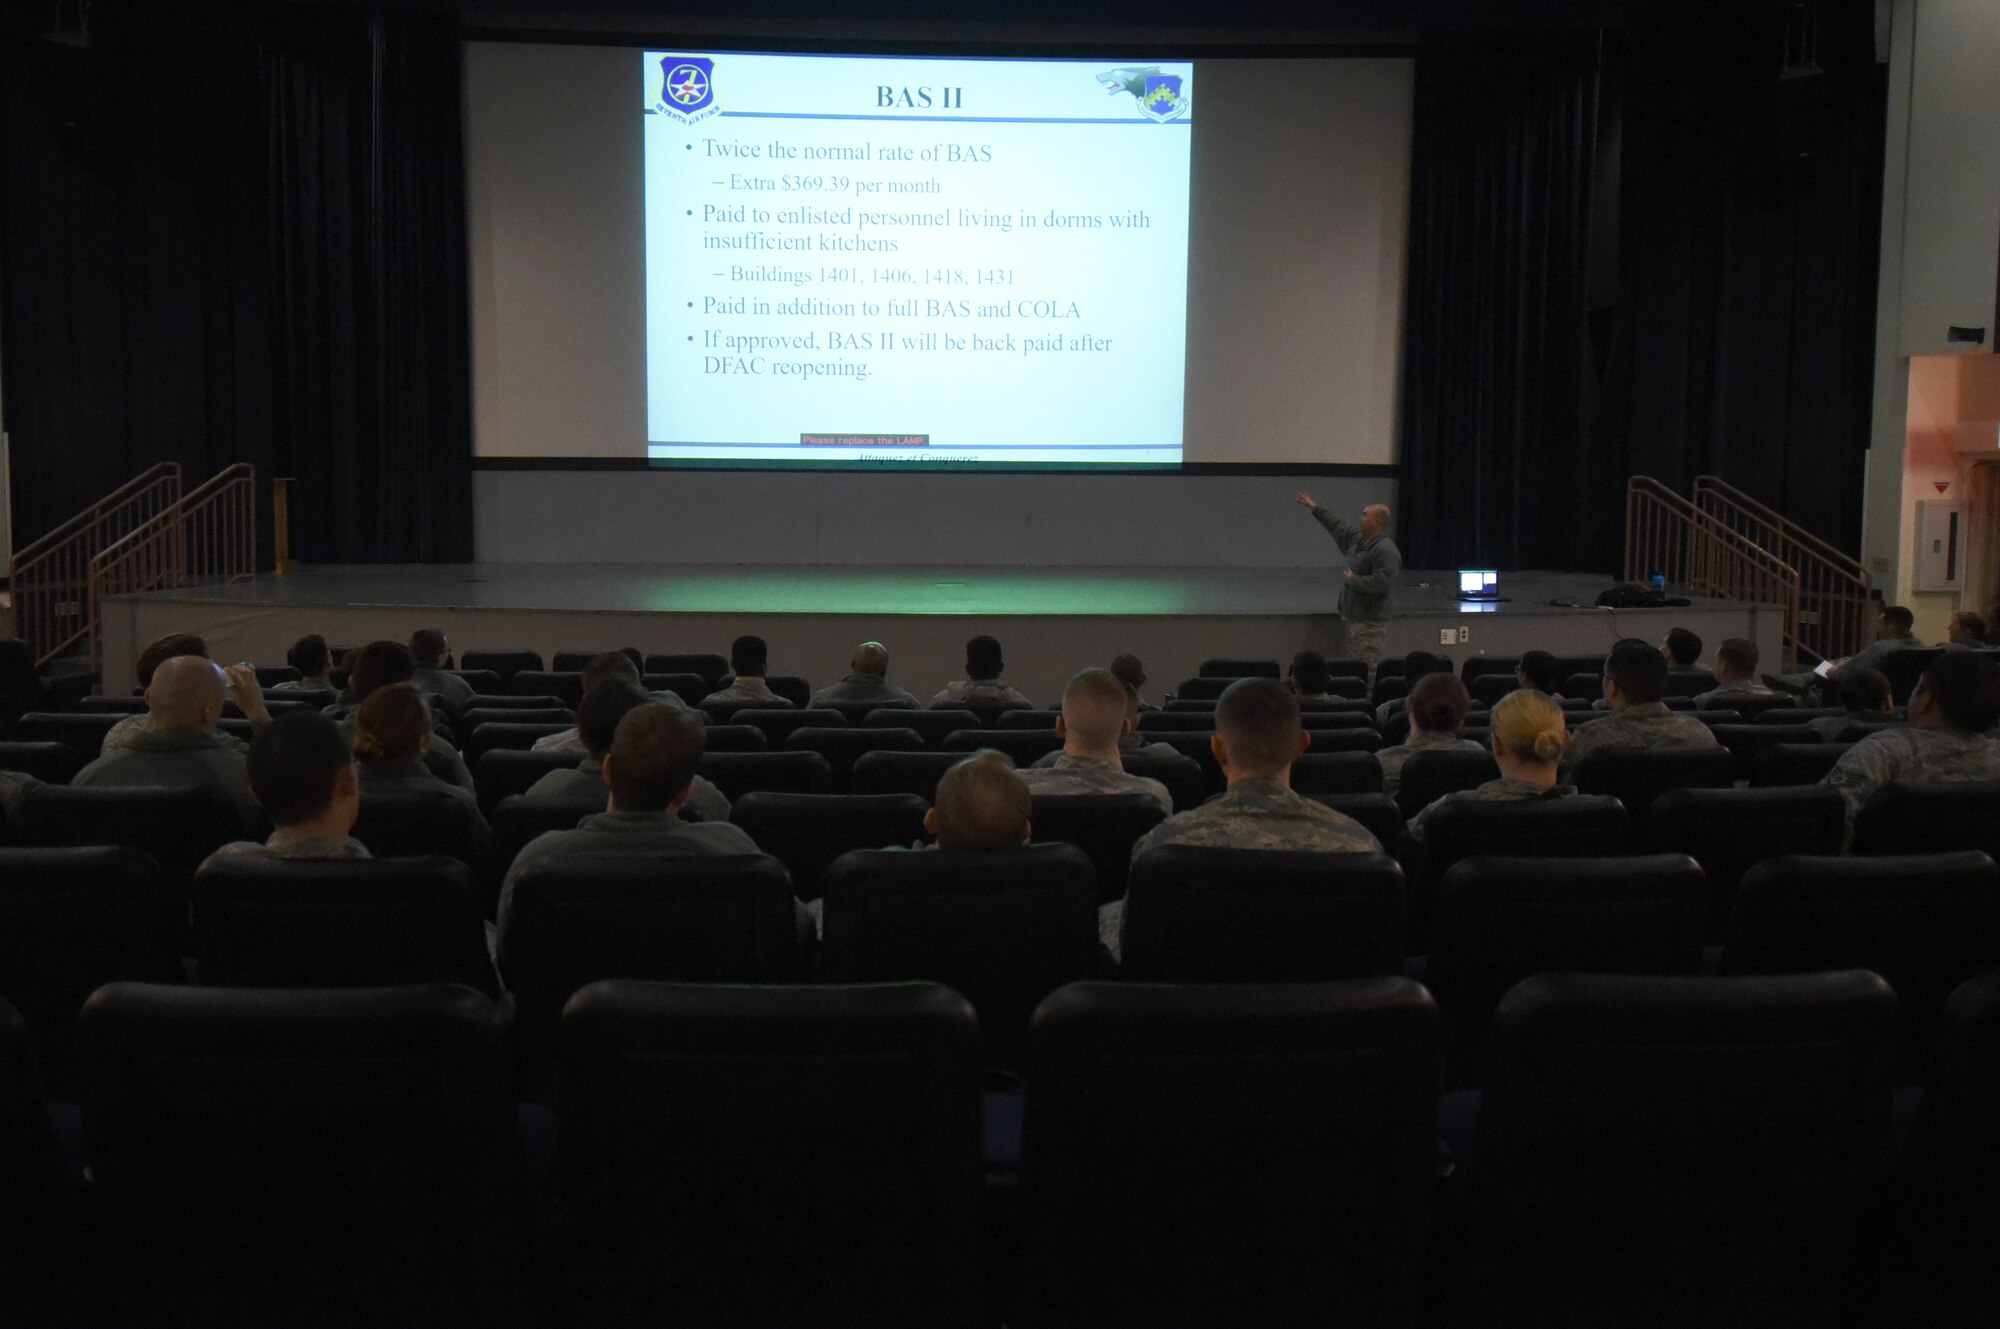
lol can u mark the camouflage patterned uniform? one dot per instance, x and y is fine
(1252, 814)
(1915, 754)
(1644, 725)
(985, 689)
(290, 844)
(1364, 597)
(1092, 775)
(1503, 790)
(128, 735)
(862, 688)
(1420, 740)
(748, 689)
(1744, 689)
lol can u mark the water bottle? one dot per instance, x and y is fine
(1659, 582)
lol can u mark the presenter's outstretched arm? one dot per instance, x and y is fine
(1343, 534)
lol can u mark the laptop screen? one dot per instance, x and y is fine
(1478, 583)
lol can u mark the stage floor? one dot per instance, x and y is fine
(1052, 620)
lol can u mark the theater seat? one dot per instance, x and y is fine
(1345, 738)
(734, 738)
(502, 773)
(1004, 928)
(177, 827)
(574, 919)
(806, 832)
(1637, 776)
(72, 920)
(1375, 811)
(51, 763)
(832, 1132)
(1232, 669)
(470, 721)
(690, 688)
(1428, 776)
(319, 1157)
(1500, 920)
(1103, 826)
(777, 725)
(1924, 923)
(81, 731)
(41, 1200)
(1201, 689)
(1043, 720)
(712, 668)
(416, 823)
(578, 661)
(915, 773)
(1730, 831)
(1221, 1155)
(934, 725)
(740, 773)
(1579, 826)
(792, 688)
(842, 747)
(1182, 776)
(988, 712)
(517, 820)
(518, 736)
(1349, 772)
(504, 663)
(1747, 741)
(854, 712)
(1795, 763)
(1930, 819)
(725, 712)
(1656, 1152)
(1200, 914)
(335, 923)
(1023, 745)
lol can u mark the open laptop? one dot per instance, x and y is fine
(1477, 584)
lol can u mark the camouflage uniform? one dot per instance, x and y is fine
(706, 801)
(304, 685)
(1420, 740)
(1364, 598)
(431, 682)
(1132, 745)
(863, 688)
(1646, 724)
(984, 689)
(1092, 775)
(290, 844)
(176, 757)
(119, 739)
(1252, 814)
(748, 689)
(1873, 655)
(1743, 689)
(1912, 754)
(1503, 790)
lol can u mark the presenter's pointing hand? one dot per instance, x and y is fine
(1347, 574)
(1306, 501)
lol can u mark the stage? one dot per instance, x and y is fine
(1051, 621)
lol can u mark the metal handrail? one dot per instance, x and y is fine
(50, 576)
(211, 534)
(1692, 550)
(1836, 591)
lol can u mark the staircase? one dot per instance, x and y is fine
(51, 577)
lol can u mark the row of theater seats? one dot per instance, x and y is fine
(1651, 1151)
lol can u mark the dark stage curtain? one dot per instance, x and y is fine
(236, 233)
(1495, 417)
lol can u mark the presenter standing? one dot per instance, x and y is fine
(1372, 564)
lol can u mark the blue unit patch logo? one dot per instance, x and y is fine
(687, 90)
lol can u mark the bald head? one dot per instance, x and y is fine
(1094, 712)
(186, 693)
(871, 658)
(1375, 519)
(981, 804)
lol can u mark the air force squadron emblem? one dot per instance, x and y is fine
(687, 90)
(1161, 97)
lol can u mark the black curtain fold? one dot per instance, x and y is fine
(236, 233)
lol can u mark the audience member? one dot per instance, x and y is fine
(1416, 665)
(392, 738)
(381, 664)
(310, 656)
(1537, 673)
(982, 803)
(302, 773)
(1437, 708)
(241, 683)
(748, 659)
(983, 667)
(650, 771)
(432, 652)
(1736, 678)
(1946, 741)
(1093, 722)
(180, 746)
(867, 680)
(1967, 631)
(1635, 678)
(612, 666)
(1529, 736)
(1257, 738)
(597, 720)
(1133, 674)
(1865, 694)
(1309, 678)
(1682, 649)
(1892, 633)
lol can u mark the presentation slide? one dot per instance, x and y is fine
(915, 260)
(688, 258)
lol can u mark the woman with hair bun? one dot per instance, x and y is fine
(1437, 708)
(392, 750)
(1529, 737)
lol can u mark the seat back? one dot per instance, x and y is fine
(1377, 812)
(81, 731)
(178, 827)
(712, 668)
(112, 706)
(41, 1235)
(564, 683)
(475, 716)
(726, 711)
(856, 711)
(292, 1157)
(1254, 1155)
(777, 725)
(337, 923)
(1201, 689)
(1233, 668)
(1577, 826)
(1429, 775)
(518, 819)
(792, 688)
(988, 710)
(1746, 741)
(934, 724)
(842, 747)
(1500, 920)
(1675, 1151)
(578, 661)
(501, 773)
(517, 735)
(1004, 928)
(1795, 763)
(1904, 667)
(1341, 738)
(1320, 772)
(915, 773)
(806, 832)
(734, 738)
(1637, 776)
(1201, 914)
(740, 773)
(51, 763)
(574, 919)
(504, 663)
(690, 688)
(1930, 819)
(1045, 720)
(1103, 826)
(72, 920)
(1925, 924)
(1730, 831)
(417, 823)
(1025, 746)
(1152, 722)
(486, 681)
(1182, 776)
(833, 1131)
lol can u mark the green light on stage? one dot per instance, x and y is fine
(1010, 592)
